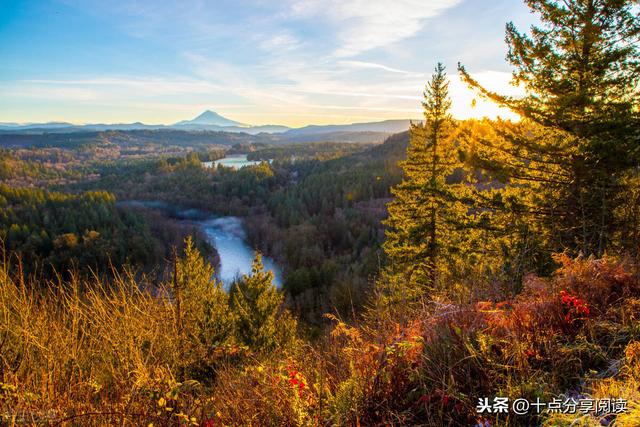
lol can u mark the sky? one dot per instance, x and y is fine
(288, 62)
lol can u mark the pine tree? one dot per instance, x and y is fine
(579, 137)
(425, 217)
(262, 323)
(203, 311)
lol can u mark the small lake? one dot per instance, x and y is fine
(235, 161)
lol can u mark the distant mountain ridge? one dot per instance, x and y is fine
(386, 126)
(50, 125)
(211, 121)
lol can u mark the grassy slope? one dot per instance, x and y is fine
(113, 355)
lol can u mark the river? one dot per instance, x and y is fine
(226, 234)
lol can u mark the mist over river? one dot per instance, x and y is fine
(226, 234)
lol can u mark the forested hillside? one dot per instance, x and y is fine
(52, 231)
(325, 227)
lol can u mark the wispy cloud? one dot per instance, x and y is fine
(281, 42)
(146, 85)
(376, 66)
(363, 25)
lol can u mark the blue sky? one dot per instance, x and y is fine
(290, 62)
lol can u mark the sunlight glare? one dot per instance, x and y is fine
(466, 104)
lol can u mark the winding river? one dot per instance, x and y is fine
(226, 234)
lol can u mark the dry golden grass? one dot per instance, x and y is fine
(84, 352)
(87, 350)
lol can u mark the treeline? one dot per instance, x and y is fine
(185, 182)
(13, 168)
(84, 152)
(162, 137)
(308, 151)
(57, 232)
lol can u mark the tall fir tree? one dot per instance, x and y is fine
(202, 306)
(578, 141)
(426, 216)
(262, 322)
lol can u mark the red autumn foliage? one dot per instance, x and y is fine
(430, 369)
(574, 307)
